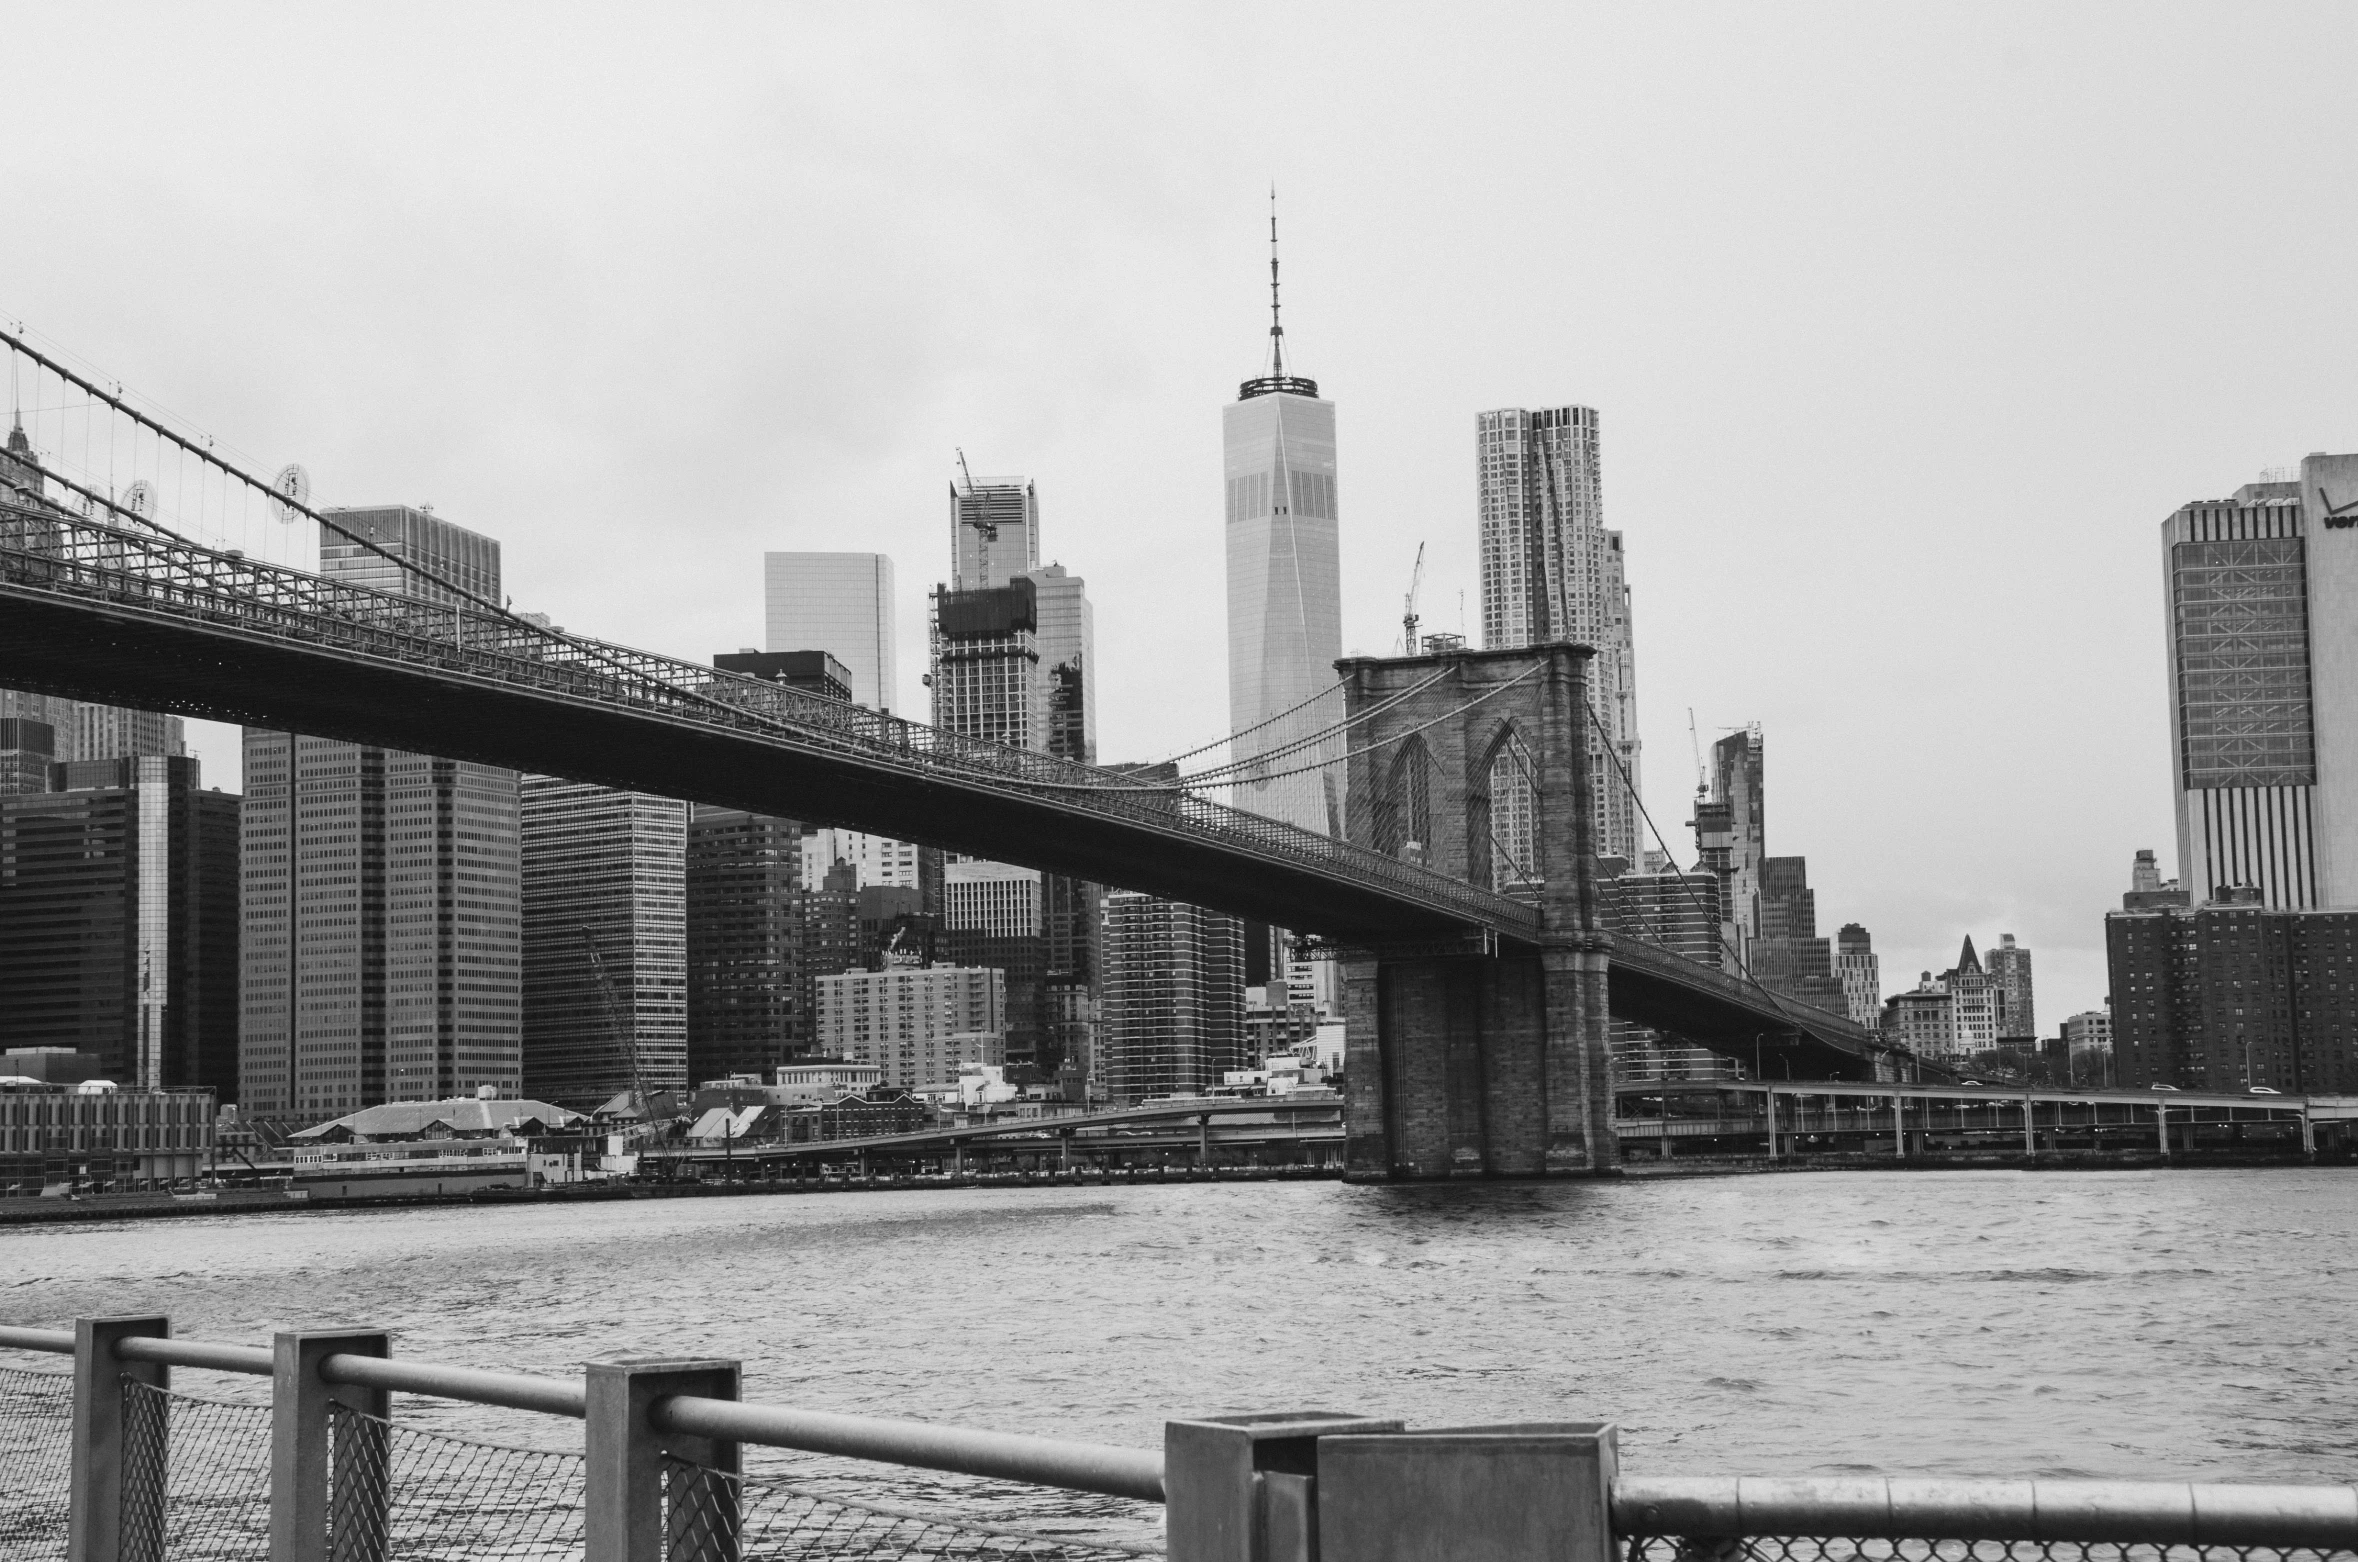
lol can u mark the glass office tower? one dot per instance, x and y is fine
(1285, 597)
(2263, 672)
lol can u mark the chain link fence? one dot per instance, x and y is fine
(710, 1515)
(196, 1477)
(1838, 1548)
(36, 1452)
(438, 1498)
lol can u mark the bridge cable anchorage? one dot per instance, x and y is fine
(1743, 966)
(1187, 783)
(1296, 745)
(592, 649)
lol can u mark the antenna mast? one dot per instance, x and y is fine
(1276, 381)
(1276, 330)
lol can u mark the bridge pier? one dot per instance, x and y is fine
(1469, 1060)
(1474, 1066)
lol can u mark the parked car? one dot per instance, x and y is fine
(2172, 1089)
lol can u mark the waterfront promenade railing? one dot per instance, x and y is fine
(109, 1461)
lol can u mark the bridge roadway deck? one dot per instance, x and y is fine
(99, 613)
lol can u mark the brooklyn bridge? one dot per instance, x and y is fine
(1478, 1015)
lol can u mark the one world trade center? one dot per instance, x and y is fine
(1285, 601)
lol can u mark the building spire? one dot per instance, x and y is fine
(1276, 328)
(1276, 380)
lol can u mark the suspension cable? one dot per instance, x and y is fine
(1210, 775)
(589, 648)
(1268, 721)
(1187, 783)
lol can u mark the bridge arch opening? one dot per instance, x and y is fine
(1503, 821)
(1404, 811)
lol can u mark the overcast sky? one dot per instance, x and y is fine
(1907, 324)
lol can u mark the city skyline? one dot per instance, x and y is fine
(1776, 404)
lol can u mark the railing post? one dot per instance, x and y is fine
(623, 1475)
(1242, 1488)
(1899, 1125)
(1535, 1490)
(1770, 1097)
(106, 1506)
(2030, 1132)
(329, 1482)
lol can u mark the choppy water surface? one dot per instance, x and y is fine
(2191, 1323)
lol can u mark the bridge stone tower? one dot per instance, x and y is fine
(1485, 1059)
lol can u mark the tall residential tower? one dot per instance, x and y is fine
(1551, 571)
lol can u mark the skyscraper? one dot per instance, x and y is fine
(30, 739)
(875, 859)
(2009, 967)
(1551, 571)
(118, 921)
(429, 555)
(382, 930)
(103, 732)
(2264, 687)
(840, 603)
(986, 664)
(1285, 594)
(1788, 956)
(39, 730)
(1067, 630)
(745, 1013)
(1677, 911)
(994, 531)
(1012, 644)
(1731, 838)
(1855, 963)
(604, 869)
(1174, 997)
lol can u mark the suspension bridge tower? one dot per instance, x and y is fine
(1479, 1059)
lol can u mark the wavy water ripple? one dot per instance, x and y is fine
(2193, 1323)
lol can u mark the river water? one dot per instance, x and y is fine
(2193, 1323)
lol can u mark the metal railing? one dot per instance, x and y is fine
(113, 1463)
(1883, 1519)
(63, 555)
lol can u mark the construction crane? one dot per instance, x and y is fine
(1408, 610)
(1702, 787)
(623, 1035)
